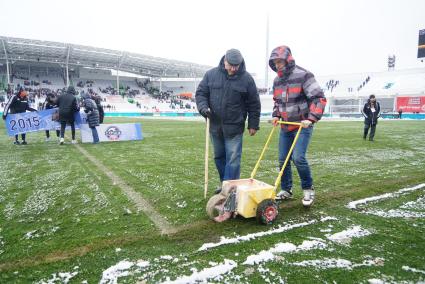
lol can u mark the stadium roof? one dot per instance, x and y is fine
(38, 51)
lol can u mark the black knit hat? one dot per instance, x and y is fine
(234, 56)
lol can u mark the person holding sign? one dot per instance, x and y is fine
(50, 103)
(17, 104)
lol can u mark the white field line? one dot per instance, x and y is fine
(225, 241)
(407, 268)
(160, 222)
(354, 204)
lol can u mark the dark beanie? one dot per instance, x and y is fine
(234, 56)
(71, 90)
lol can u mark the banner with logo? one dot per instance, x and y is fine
(411, 104)
(38, 120)
(113, 132)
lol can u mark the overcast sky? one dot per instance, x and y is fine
(326, 37)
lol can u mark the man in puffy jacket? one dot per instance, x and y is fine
(67, 104)
(227, 95)
(90, 108)
(297, 98)
(371, 112)
(17, 104)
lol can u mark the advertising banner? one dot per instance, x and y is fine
(411, 104)
(37, 120)
(113, 132)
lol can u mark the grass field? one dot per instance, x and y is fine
(67, 215)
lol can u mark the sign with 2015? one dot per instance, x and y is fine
(35, 121)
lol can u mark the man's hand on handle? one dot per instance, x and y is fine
(306, 123)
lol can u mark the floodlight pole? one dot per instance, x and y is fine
(66, 66)
(7, 64)
(266, 73)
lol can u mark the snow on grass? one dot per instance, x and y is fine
(214, 272)
(328, 263)
(345, 236)
(60, 277)
(268, 255)
(280, 229)
(395, 213)
(354, 204)
(111, 275)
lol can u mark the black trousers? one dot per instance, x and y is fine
(372, 131)
(22, 137)
(63, 126)
(48, 133)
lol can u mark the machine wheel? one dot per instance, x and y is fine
(214, 204)
(267, 211)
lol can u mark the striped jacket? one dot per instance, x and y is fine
(296, 94)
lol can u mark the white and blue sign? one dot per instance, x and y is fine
(113, 132)
(24, 122)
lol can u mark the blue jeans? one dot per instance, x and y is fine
(95, 135)
(227, 155)
(298, 157)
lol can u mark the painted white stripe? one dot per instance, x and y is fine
(226, 241)
(354, 204)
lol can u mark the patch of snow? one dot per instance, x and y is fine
(395, 213)
(326, 263)
(268, 255)
(207, 273)
(61, 277)
(354, 204)
(111, 274)
(346, 235)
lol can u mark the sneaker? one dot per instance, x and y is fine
(218, 190)
(61, 141)
(308, 197)
(16, 142)
(47, 139)
(284, 195)
(24, 143)
(74, 142)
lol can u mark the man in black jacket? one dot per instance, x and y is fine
(227, 95)
(18, 104)
(67, 104)
(371, 112)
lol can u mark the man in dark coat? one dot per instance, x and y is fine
(67, 104)
(227, 95)
(18, 104)
(371, 112)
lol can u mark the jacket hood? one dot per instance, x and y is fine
(282, 52)
(241, 70)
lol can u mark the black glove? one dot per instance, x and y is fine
(205, 112)
(4, 117)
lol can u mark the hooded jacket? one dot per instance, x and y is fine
(231, 100)
(91, 109)
(67, 104)
(296, 94)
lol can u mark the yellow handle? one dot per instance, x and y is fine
(254, 171)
